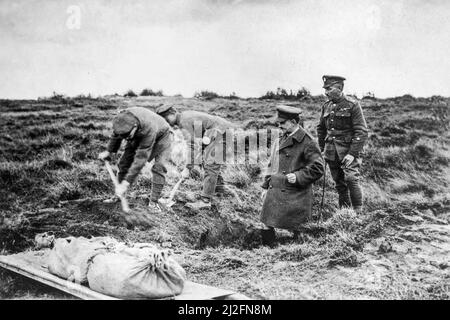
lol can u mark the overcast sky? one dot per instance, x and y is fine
(388, 47)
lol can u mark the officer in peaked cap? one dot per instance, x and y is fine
(295, 163)
(328, 81)
(288, 113)
(342, 132)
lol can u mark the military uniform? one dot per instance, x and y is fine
(196, 124)
(342, 130)
(288, 205)
(152, 140)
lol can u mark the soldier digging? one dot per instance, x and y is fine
(200, 127)
(148, 137)
(342, 133)
(295, 163)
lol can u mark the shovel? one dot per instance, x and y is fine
(123, 200)
(169, 201)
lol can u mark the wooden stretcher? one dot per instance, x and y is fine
(32, 264)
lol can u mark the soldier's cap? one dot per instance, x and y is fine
(330, 80)
(287, 112)
(164, 110)
(124, 122)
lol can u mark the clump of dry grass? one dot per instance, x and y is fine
(237, 175)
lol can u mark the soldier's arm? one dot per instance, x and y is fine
(143, 152)
(192, 133)
(360, 130)
(321, 130)
(314, 168)
(114, 143)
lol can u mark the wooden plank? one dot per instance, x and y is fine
(33, 265)
(197, 291)
(16, 265)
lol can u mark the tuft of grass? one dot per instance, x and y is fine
(237, 175)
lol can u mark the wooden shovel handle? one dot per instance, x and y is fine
(123, 200)
(175, 189)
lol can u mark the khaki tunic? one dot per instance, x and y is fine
(342, 129)
(152, 140)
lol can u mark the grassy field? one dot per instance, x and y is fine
(399, 248)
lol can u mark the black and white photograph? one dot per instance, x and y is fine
(239, 151)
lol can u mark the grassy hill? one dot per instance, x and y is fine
(398, 248)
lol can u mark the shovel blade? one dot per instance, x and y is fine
(170, 204)
(166, 202)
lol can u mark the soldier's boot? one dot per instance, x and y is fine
(113, 199)
(355, 195)
(299, 236)
(195, 171)
(153, 204)
(268, 236)
(358, 210)
(203, 203)
(220, 188)
(220, 185)
(344, 198)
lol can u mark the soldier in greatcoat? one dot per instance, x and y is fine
(295, 163)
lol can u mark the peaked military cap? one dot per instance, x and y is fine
(287, 112)
(330, 80)
(124, 122)
(164, 109)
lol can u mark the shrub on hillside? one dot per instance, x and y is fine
(282, 94)
(150, 92)
(232, 96)
(207, 95)
(405, 99)
(130, 93)
(369, 96)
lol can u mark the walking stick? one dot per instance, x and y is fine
(323, 191)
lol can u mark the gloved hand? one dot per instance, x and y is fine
(291, 177)
(104, 156)
(263, 194)
(209, 136)
(185, 173)
(121, 188)
(206, 140)
(348, 159)
(195, 172)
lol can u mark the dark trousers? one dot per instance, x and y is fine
(161, 153)
(213, 167)
(347, 182)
